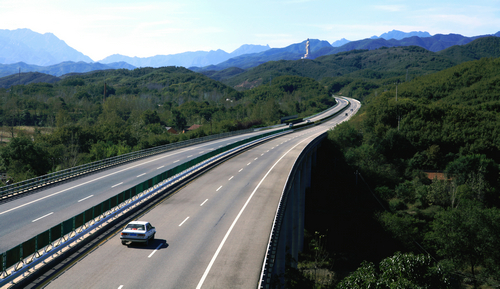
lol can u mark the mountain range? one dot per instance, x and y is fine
(24, 45)
(394, 34)
(46, 53)
(319, 48)
(186, 59)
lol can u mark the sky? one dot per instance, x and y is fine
(99, 28)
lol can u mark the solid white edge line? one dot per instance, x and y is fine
(96, 179)
(203, 202)
(85, 198)
(238, 216)
(42, 217)
(154, 251)
(183, 221)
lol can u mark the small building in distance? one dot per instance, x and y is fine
(171, 130)
(194, 126)
(439, 175)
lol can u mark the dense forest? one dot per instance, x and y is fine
(425, 156)
(49, 127)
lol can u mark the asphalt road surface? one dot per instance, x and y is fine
(213, 233)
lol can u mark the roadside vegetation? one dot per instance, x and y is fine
(49, 127)
(423, 210)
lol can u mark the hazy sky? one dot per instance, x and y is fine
(99, 28)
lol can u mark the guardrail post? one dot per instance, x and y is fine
(279, 267)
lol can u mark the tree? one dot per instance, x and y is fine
(24, 158)
(469, 236)
(478, 173)
(150, 117)
(179, 121)
(403, 270)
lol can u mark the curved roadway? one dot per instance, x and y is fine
(24, 217)
(213, 233)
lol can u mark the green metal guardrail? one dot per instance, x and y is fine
(27, 251)
(33, 248)
(34, 183)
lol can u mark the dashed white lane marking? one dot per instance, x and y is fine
(218, 188)
(203, 202)
(255, 159)
(249, 163)
(155, 250)
(190, 156)
(183, 221)
(42, 217)
(240, 170)
(207, 270)
(141, 175)
(85, 198)
(121, 286)
(176, 161)
(231, 178)
(118, 184)
(201, 152)
(160, 167)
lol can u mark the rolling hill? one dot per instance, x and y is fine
(60, 68)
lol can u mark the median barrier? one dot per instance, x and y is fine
(21, 258)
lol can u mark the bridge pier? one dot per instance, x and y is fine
(290, 219)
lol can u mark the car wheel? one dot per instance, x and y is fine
(153, 237)
(124, 242)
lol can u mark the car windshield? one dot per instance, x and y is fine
(135, 227)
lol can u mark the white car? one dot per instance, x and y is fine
(138, 231)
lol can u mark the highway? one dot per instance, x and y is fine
(24, 217)
(212, 233)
